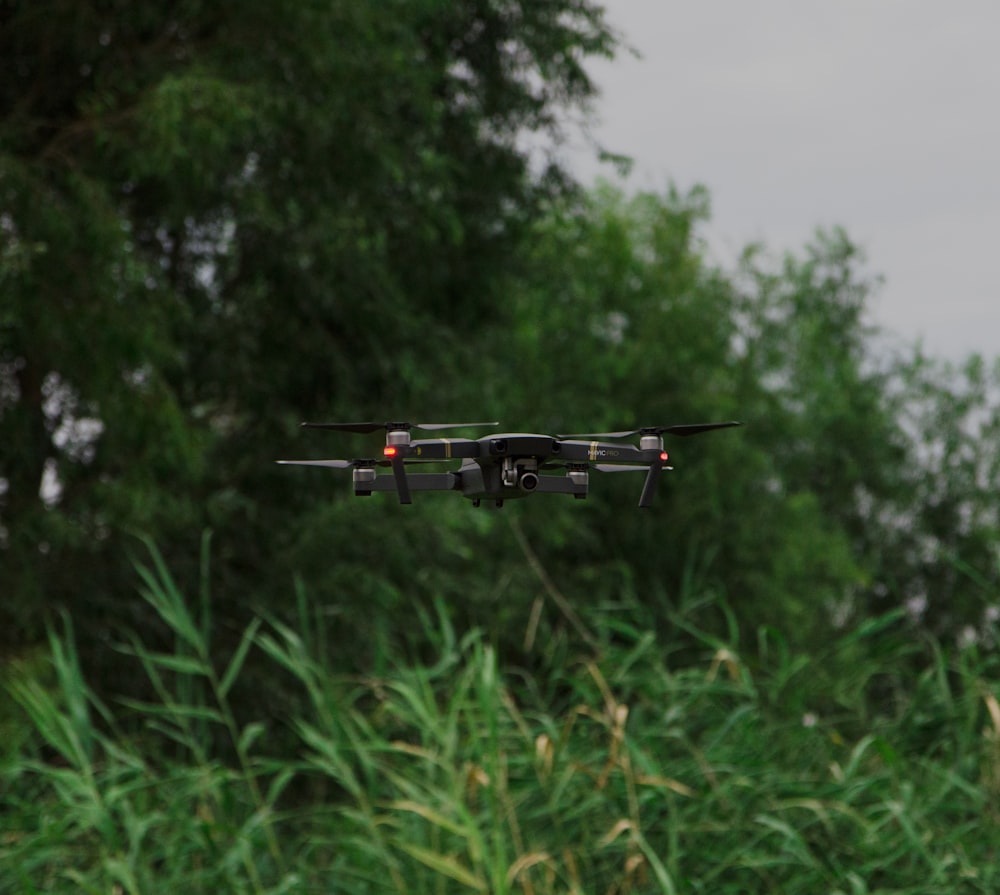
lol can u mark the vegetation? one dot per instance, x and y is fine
(220, 219)
(218, 222)
(600, 770)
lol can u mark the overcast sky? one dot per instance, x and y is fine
(882, 116)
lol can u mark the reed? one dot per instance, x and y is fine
(610, 767)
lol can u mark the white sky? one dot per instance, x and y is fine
(882, 116)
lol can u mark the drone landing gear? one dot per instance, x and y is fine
(477, 502)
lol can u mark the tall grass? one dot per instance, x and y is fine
(613, 768)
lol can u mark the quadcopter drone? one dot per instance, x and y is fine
(506, 466)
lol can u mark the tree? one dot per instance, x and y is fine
(621, 309)
(219, 218)
(863, 481)
(941, 539)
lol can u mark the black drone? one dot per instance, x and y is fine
(506, 466)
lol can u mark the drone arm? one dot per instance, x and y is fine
(591, 451)
(559, 484)
(419, 481)
(444, 449)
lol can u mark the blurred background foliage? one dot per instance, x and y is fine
(220, 219)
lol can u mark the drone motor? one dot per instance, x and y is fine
(651, 442)
(397, 434)
(364, 480)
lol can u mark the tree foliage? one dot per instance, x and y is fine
(218, 219)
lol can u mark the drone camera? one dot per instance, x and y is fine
(523, 475)
(528, 481)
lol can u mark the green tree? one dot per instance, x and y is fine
(218, 219)
(864, 479)
(622, 310)
(942, 539)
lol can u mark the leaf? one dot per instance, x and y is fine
(161, 593)
(239, 657)
(526, 862)
(278, 784)
(445, 865)
(667, 783)
(663, 878)
(174, 711)
(429, 814)
(249, 735)
(616, 830)
(174, 662)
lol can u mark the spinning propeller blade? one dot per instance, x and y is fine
(598, 435)
(682, 429)
(350, 464)
(434, 427)
(346, 427)
(335, 464)
(365, 428)
(621, 467)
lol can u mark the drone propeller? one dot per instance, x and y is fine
(352, 464)
(434, 427)
(365, 428)
(621, 467)
(335, 464)
(682, 429)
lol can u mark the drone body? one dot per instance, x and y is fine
(505, 466)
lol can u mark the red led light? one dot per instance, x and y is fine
(389, 451)
(663, 456)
